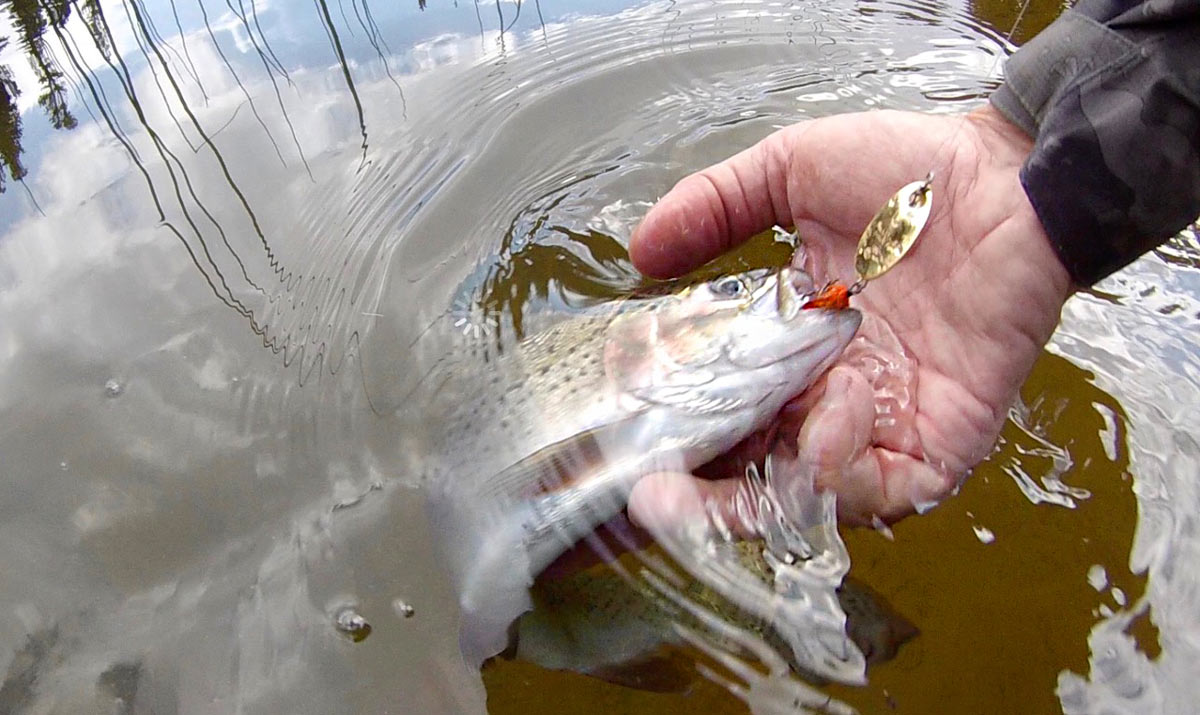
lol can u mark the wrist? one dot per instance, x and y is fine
(1009, 146)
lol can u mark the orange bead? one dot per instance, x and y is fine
(834, 296)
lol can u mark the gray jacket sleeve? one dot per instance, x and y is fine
(1110, 92)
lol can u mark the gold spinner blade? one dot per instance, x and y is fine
(894, 229)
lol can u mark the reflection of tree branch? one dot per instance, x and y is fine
(537, 5)
(516, 16)
(186, 54)
(158, 39)
(245, 93)
(126, 79)
(225, 296)
(154, 75)
(345, 20)
(99, 96)
(74, 82)
(372, 31)
(268, 57)
(375, 26)
(271, 76)
(221, 128)
(331, 31)
(254, 15)
(500, 24)
(32, 199)
(137, 16)
(478, 16)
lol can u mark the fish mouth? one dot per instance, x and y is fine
(832, 330)
(786, 291)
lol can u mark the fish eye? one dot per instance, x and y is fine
(729, 287)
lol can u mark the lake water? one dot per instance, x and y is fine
(211, 289)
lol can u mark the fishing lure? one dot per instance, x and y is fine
(888, 237)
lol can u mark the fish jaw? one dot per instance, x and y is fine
(824, 336)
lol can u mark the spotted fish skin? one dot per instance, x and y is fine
(547, 389)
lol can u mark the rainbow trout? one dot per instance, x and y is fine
(536, 447)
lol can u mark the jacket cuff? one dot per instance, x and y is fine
(1111, 174)
(1068, 53)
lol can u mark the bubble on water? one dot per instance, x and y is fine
(113, 388)
(1097, 577)
(984, 534)
(350, 623)
(403, 608)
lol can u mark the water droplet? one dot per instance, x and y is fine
(924, 507)
(350, 623)
(1097, 577)
(984, 534)
(113, 388)
(403, 608)
(63, 465)
(1118, 596)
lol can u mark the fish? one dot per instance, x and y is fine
(537, 444)
(600, 622)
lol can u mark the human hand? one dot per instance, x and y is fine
(971, 306)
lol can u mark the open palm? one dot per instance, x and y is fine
(892, 427)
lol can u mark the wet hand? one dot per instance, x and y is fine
(970, 308)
